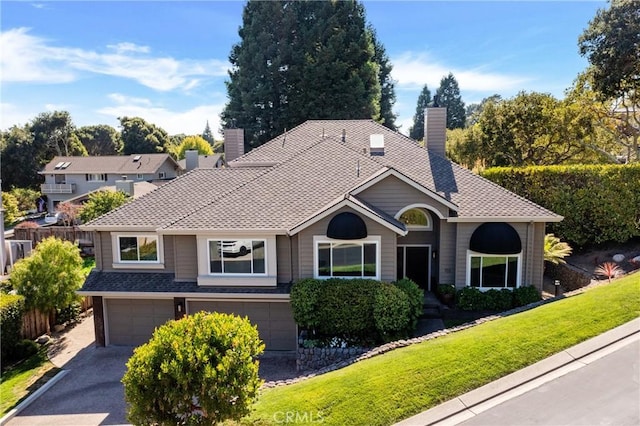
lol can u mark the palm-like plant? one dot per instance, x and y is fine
(555, 250)
(609, 270)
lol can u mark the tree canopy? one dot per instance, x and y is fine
(424, 100)
(305, 60)
(100, 203)
(207, 134)
(100, 139)
(193, 142)
(141, 137)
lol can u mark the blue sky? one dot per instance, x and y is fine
(167, 61)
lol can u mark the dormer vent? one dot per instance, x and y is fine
(376, 144)
(137, 158)
(344, 135)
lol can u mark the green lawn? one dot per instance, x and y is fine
(19, 381)
(404, 382)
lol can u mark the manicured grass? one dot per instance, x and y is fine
(19, 381)
(404, 382)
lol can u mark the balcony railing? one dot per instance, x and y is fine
(58, 188)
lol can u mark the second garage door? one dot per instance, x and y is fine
(274, 319)
(132, 321)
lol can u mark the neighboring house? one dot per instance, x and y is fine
(70, 177)
(327, 199)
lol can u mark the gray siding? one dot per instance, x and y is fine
(392, 195)
(387, 255)
(283, 249)
(447, 252)
(97, 249)
(106, 250)
(186, 257)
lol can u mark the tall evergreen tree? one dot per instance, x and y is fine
(300, 60)
(424, 100)
(207, 135)
(448, 95)
(387, 84)
(140, 137)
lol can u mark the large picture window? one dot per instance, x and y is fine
(494, 271)
(356, 259)
(237, 257)
(96, 177)
(138, 248)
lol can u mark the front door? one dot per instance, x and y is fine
(414, 262)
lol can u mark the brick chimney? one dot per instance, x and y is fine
(435, 129)
(233, 144)
(191, 159)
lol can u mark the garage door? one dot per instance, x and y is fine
(131, 322)
(274, 320)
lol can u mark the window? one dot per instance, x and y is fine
(96, 177)
(140, 176)
(343, 258)
(162, 175)
(493, 271)
(415, 218)
(138, 248)
(237, 257)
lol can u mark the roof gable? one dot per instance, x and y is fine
(113, 164)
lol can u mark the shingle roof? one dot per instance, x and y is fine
(314, 168)
(159, 282)
(148, 163)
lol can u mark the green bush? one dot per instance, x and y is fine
(599, 202)
(391, 312)
(525, 295)
(69, 314)
(498, 300)
(24, 349)
(197, 370)
(471, 299)
(11, 312)
(353, 311)
(415, 296)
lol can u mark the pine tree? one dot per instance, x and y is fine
(207, 134)
(301, 60)
(424, 100)
(448, 95)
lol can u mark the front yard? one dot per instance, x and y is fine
(401, 383)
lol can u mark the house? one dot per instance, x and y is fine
(329, 198)
(69, 177)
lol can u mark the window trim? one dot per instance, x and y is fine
(320, 239)
(162, 175)
(471, 254)
(231, 274)
(424, 209)
(150, 264)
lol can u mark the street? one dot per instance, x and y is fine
(604, 392)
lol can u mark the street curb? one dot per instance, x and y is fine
(471, 403)
(24, 404)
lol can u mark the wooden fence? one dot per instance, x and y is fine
(67, 233)
(34, 322)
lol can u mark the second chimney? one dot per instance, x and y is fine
(191, 159)
(125, 185)
(233, 144)
(435, 129)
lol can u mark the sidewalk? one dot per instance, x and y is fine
(472, 403)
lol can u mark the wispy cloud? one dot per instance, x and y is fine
(28, 58)
(190, 121)
(414, 70)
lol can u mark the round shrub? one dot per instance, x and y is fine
(498, 300)
(24, 349)
(11, 312)
(525, 295)
(200, 369)
(391, 312)
(415, 296)
(471, 299)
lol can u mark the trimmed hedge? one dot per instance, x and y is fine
(11, 312)
(599, 202)
(472, 299)
(355, 311)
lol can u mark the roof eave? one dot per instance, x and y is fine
(477, 219)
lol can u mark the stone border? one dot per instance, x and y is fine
(407, 342)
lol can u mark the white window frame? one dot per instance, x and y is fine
(322, 239)
(139, 176)
(471, 254)
(96, 177)
(423, 208)
(230, 274)
(162, 175)
(144, 264)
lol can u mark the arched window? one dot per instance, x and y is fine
(494, 257)
(416, 219)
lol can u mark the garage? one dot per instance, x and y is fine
(274, 319)
(132, 321)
